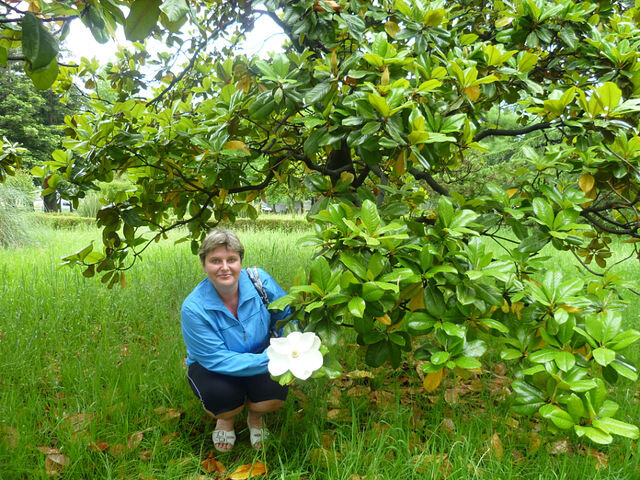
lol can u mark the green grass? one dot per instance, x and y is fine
(70, 347)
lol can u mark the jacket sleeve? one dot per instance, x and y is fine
(274, 292)
(207, 348)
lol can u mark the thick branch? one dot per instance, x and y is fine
(498, 132)
(619, 231)
(426, 176)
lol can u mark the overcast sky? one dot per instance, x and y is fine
(266, 37)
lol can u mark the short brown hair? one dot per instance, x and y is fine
(218, 237)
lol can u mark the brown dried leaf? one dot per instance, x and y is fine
(211, 465)
(338, 415)
(55, 464)
(79, 422)
(47, 450)
(145, 455)
(9, 436)
(167, 413)
(560, 447)
(601, 460)
(248, 471)
(168, 438)
(451, 396)
(424, 463)
(135, 439)
(117, 449)
(358, 391)
(98, 446)
(448, 426)
(496, 447)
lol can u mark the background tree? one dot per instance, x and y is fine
(378, 103)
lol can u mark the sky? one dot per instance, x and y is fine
(266, 37)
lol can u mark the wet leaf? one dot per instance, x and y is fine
(248, 471)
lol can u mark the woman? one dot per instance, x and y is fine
(225, 326)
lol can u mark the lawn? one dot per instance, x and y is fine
(93, 385)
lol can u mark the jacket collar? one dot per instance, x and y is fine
(210, 299)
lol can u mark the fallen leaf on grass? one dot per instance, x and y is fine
(383, 398)
(496, 446)
(136, 438)
(167, 413)
(338, 415)
(55, 463)
(211, 465)
(168, 438)
(448, 426)
(534, 442)
(9, 436)
(327, 440)
(117, 449)
(334, 399)
(425, 463)
(560, 447)
(601, 460)
(98, 446)
(321, 456)
(47, 450)
(358, 391)
(247, 471)
(79, 421)
(145, 455)
(360, 374)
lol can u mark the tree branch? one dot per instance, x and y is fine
(498, 132)
(426, 176)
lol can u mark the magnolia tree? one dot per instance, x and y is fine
(376, 106)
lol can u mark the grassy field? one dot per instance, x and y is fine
(92, 385)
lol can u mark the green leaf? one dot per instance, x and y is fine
(510, 354)
(354, 264)
(616, 427)
(543, 211)
(594, 434)
(565, 361)
(321, 272)
(143, 16)
(419, 323)
(377, 354)
(453, 329)
(38, 45)
(380, 104)
(175, 10)
(372, 292)
(559, 417)
(3, 57)
(604, 356)
(439, 358)
(609, 95)
(496, 325)
(575, 406)
(356, 306)
(43, 78)
(445, 211)
(468, 363)
(369, 216)
(624, 369)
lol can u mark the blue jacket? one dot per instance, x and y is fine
(222, 343)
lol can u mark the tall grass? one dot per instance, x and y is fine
(81, 364)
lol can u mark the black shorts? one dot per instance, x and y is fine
(222, 393)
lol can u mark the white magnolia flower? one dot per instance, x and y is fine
(297, 352)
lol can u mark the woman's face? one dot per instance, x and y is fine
(223, 267)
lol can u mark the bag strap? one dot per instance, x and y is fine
(255, 279)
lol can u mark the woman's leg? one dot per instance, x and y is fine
(222, 396)
(265, 395)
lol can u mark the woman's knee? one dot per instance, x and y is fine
(265, 406)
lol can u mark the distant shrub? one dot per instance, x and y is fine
(16, 199)
(270, 223)
(89, 205)
(63, 221)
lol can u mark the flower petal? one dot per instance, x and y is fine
(305, 342)
(306, 364)
(281, 345)
(278, 364)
